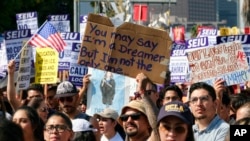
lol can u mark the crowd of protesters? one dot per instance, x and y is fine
(58, 113)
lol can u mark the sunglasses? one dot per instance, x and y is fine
(134, 116)
(177, 129)
(68, 99)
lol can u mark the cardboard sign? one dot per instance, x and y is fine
(227, 61)
(128, 49)
(46, 66)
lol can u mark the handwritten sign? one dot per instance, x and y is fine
(227, 61)
(128, 49)
(46, 66)
(23, 77)
(244, 39)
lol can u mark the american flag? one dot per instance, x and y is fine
(47, 35)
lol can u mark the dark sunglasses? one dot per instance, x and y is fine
(177, 129)
(68, 99)
(134, 116)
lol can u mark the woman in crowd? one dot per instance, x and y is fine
(175, 122)
(58, 128)
(30, 123)
(41, 108)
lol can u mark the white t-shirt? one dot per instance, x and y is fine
(117, 137)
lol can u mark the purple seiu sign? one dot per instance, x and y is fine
(197, 42)
(58, 17)
(65, 56)
(178, 49)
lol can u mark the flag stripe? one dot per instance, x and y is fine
(48, 36)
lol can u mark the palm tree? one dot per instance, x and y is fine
(246, 12)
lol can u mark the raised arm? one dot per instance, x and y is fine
(219, 88)
(83, 90)
(11, 90)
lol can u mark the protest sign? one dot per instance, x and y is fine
(128, 49)
(244, 39)
(27, 20)
(46, 66)
(76, 71)
(3, 62)
(60, 22)
(13, 43)
(211, 34)
(114, 97)
(178, 65)
(226, 61)
(65, 56)
(83, 23)
(24, 75)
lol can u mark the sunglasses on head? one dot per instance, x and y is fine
(134, 116)
(68, 99)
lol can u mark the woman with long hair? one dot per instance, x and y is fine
(30, 123)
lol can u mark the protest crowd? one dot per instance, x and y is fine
(199, 109)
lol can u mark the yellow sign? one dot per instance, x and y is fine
(234, 31)
(46, 66)
(224, 31)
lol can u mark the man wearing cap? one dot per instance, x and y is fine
(108, 125)
(175, 122)
(208, 125)
(68, 97)
(135, 121)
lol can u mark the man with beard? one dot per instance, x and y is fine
(208, 125)
(68, 97)
(135, 122)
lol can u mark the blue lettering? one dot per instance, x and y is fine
(70, 35)
(17, 34)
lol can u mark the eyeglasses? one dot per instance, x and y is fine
(148, 92)
(43, 109)
(134, 116)
(194, 100)
(177, 129)
(68, 99)
(59, 128)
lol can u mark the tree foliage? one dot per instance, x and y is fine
(9, 9)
